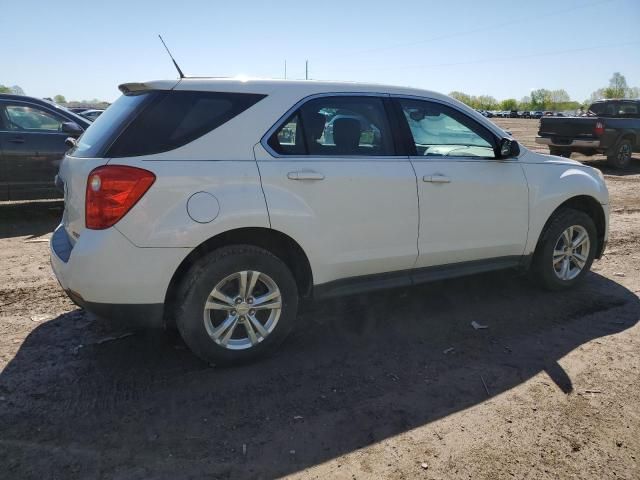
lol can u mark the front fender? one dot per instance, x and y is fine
(551, 185)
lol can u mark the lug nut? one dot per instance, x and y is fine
(252, 312)
(250, 300)
(233, 313)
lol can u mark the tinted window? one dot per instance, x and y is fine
(288, 139)
(605, 109)
(103, 131)
(628, 108)
(441, 131)
(336, 126)
(175, 118)
(29, 118)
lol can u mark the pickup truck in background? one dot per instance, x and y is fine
(610, 127)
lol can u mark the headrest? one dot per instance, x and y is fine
(346, 133)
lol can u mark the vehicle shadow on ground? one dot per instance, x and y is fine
(29, 218)
(354, 372)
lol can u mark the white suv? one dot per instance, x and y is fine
(218, 205)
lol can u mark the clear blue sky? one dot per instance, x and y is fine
(505, 48)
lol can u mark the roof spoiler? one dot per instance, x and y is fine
(133, 87)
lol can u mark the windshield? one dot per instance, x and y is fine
(107, 126)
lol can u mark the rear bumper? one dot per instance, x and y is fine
(109, 276)
(574, 143)
(134, 314)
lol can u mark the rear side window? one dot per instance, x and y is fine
(336, 126)
(175, 118)
(149, 122)
(97, 138)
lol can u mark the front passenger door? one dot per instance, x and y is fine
(473, 207)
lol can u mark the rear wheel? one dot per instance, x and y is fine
(621, 157)
(565, 250)
(237, 304)
(560, 152)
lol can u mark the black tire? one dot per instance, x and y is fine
(621, 157)
(560, 152)
(205, 275)
(542, 266)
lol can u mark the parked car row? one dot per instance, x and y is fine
(513, 113)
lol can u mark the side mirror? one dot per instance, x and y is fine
(509, 148)
(72, 128)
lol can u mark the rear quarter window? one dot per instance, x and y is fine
(175, 118)
(149, 122)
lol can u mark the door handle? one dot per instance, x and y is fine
(305, 175)
(437, 178)
(16, 140)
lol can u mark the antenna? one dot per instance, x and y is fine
(171, 56)
(306, 69)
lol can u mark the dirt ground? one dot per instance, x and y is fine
(392, 385)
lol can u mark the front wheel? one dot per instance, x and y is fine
(565, 250)
(236, 304)
(621, 157)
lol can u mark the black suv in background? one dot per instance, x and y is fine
(610, 127)
(32, 145)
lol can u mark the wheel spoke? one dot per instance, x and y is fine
(243, 284)
(223, 327)
(266, 297)
(211, 305)
(230, 330)
(579, 260)
(567, 235)
(566, 266)
(558, 255)
(580, 239)
(253, 279)
(217, 294)
(258, 326)
(250, 332)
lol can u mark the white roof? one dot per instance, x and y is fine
(268, 86)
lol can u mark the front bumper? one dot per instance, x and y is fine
(109, 276)
(574, 143)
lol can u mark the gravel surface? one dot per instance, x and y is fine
(389, 385)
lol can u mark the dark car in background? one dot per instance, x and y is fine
(32, 145)
(536, 114)
(610, 127)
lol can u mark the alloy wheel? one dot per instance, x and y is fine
(571, 252)
(242, 309)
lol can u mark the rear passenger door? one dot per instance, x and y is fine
(333, 181)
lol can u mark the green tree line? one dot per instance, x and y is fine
(544, 99)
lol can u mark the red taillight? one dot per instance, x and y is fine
(111, 192)
(599, 128)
